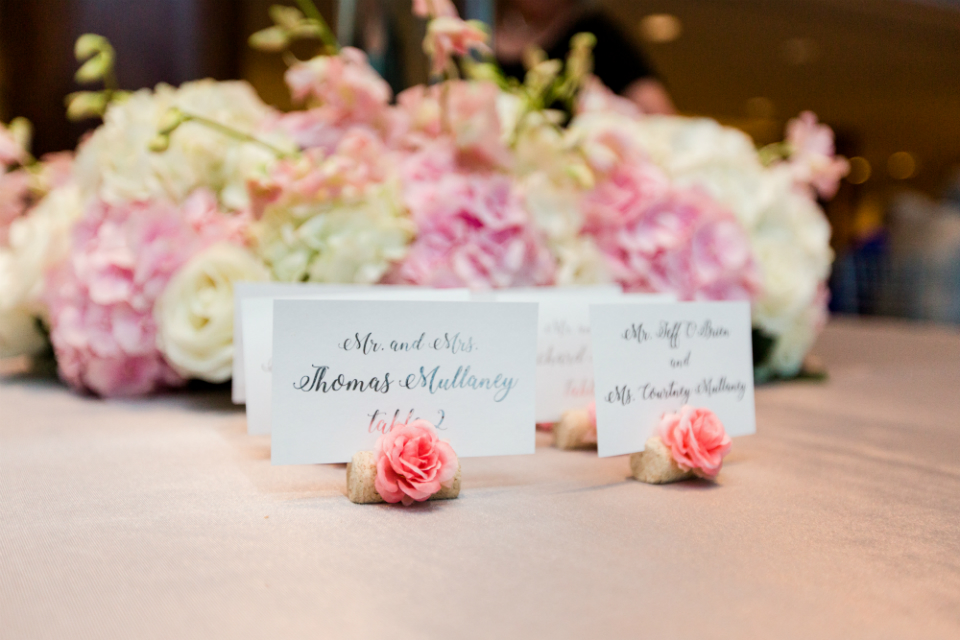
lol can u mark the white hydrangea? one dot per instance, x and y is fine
(117, 164)
(347, 240)
(38, 241)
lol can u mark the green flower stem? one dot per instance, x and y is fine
(326, 35)
(236, 134)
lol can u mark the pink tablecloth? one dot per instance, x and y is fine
(161, 519)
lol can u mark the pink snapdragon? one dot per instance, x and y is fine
(813, 161)
(359, 159)
(101, 298)
(464, 112)
(344, 87)
(448, 36)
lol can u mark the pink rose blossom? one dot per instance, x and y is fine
(656, 238)
(472, 229)
(434, 8)
(345, 87)
(448, 36)
(813, 161)
(413, 463)
(101, 298)
(696, 440)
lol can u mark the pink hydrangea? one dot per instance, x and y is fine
(101, 298)
(472, 228)
(345, 88)
(657, 238)
(813, 161)
(413, 463)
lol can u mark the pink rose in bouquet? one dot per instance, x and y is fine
(101, 298)
(413, 463)
(472, 228)
(359, 159)
(696, 440)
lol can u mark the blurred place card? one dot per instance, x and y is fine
(649, 359)
(564, 353)
(257, 331)
(345, 371)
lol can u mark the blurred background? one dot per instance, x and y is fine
(885, 74)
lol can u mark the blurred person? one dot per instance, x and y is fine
(550, 24)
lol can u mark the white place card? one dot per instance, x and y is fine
(649, 359)
(345, 371)
(257, 329)
(564, 352)
(244, 290)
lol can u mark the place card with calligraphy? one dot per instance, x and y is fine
(257, 332)
(345, 372)
(650, 359)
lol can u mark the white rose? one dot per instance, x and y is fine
(195, 312)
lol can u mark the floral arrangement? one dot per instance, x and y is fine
(126, 251)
